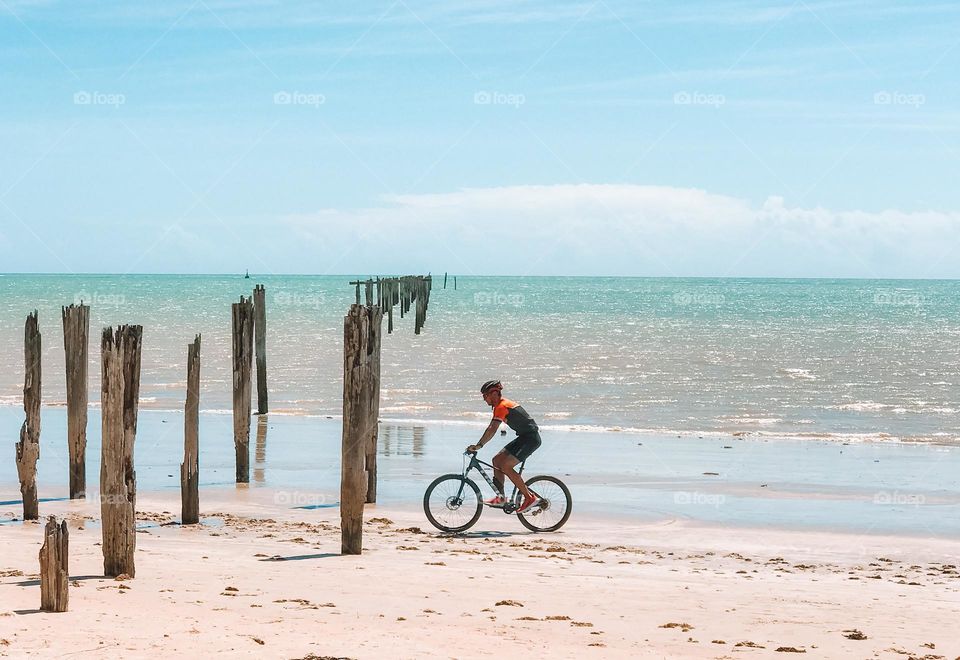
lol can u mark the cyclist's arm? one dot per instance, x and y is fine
(489, 433)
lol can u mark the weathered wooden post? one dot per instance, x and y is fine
(421, 300)
(358, 343)
(28, 449)
(372, 393)
(444, 280)
(242, 364)
(132, 344)
(260, 327)
(76, 340)
(54, 567)
(190, 468)
(119, 392)
(260, 451)
(391, 293)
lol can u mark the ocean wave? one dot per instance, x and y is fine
(477, 419)
(798, 374)
(861, 406)
(410, 408)
(921, 407)
(746, 419)
(476, 414)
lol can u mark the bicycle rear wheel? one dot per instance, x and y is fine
(553, 509)
(452, 503)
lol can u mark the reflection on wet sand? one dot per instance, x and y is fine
(261, 450)
(400, 440)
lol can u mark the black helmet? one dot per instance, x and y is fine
(490, 385)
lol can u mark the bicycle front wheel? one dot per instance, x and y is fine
(452, 503)
(553, 509)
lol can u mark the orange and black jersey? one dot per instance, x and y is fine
(515, 416)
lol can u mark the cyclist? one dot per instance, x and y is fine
(517, 450)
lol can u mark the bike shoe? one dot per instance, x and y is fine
(499, 500)
(527, 503)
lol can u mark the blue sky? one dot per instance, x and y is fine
(808, 138)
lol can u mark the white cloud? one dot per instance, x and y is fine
(631, 230)
(587, 229)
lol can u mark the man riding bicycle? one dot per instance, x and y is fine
(517, 450)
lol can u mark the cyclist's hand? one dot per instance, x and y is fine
(473, 449)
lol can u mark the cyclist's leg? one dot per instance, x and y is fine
(507, 463)
(520, 450)
(498, 475)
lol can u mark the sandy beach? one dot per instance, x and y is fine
(258, 580)
(677, 548)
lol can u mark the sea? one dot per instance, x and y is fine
(844, 360)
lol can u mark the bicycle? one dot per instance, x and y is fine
(453, 502)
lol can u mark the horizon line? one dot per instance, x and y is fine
(525, 276)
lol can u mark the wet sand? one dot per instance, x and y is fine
(260, 580)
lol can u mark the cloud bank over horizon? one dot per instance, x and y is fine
(584, 229)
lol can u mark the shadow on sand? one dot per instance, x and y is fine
(482, 535)
(36, 583)
(319, 555)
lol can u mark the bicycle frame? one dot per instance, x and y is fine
(477, 464)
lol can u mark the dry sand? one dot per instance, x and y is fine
(268, 582)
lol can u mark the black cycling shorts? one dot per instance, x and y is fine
(523, 445)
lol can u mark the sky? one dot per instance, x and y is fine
(816, 138)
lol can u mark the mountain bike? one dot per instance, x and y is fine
(453, 502)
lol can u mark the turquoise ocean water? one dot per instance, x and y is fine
(835, 359)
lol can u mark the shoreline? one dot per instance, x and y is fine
(879, 437)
